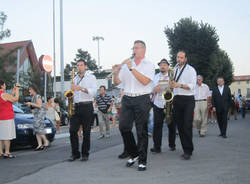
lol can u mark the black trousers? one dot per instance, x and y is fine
(183, 109)
(222, 120)
(135, 109)
(83, 116)
(95, 116)
(159, 117)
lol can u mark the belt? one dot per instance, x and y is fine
(83, 103)
(135, 94)
(201, 100)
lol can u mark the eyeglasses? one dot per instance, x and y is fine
(135, 48)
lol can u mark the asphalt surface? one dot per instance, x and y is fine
(215, 160)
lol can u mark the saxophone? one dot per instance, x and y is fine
(70, 96)
(168, 97)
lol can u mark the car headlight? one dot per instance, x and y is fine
(24, 126)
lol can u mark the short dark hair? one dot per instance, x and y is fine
(102, 86)
(141, 42)
(1, 83)
(183, 51)
(34, 87)
(48, 98)
(81, 60)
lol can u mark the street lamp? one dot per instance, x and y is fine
(97, 38)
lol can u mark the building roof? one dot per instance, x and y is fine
(242, 77)
(26, 50)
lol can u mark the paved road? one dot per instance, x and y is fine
(215, 160)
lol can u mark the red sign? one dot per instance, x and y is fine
(46, 63)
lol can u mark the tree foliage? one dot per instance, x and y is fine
(91, 64)
(6, 59)
(200, 41)
(3, 32)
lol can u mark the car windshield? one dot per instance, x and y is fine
(17, 110)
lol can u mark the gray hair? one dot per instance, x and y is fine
(200, 76)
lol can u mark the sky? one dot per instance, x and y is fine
(120, 22)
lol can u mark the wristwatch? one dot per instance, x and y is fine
(83, 90)
(181, 85)
(132, 68)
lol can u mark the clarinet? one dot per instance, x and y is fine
(109, 76)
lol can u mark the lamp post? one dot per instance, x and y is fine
(97, 38)
(54, 50)
(61, 49)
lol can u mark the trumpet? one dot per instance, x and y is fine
(109, 76)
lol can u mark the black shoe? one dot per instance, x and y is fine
(172, 149)
(186, 156)
(224, 136)
(155, 150)
(131, 161)
(85, 158)
(73, 158)
(142, 167)
(220, 135)
(202, 135)
(123, 155)
(39, 148)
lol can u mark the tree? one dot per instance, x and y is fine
(84, 55)
(225, 66)
(6, 59)
(36, 77)
(3, 33)
(200, 41)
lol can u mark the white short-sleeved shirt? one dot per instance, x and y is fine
(201, 92)
(88, 82)
(130, 83)
(188, 77)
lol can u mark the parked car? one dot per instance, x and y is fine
(24, 129)
(248, 105)
(24, 108)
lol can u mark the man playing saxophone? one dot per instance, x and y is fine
(161, 84)
(84, 87)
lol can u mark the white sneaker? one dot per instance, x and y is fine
(131, 161)
(101, 136)
(108, 136)
(142, 167)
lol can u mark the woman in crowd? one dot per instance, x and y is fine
(7, 123)
(39, 115)
(51, 112)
